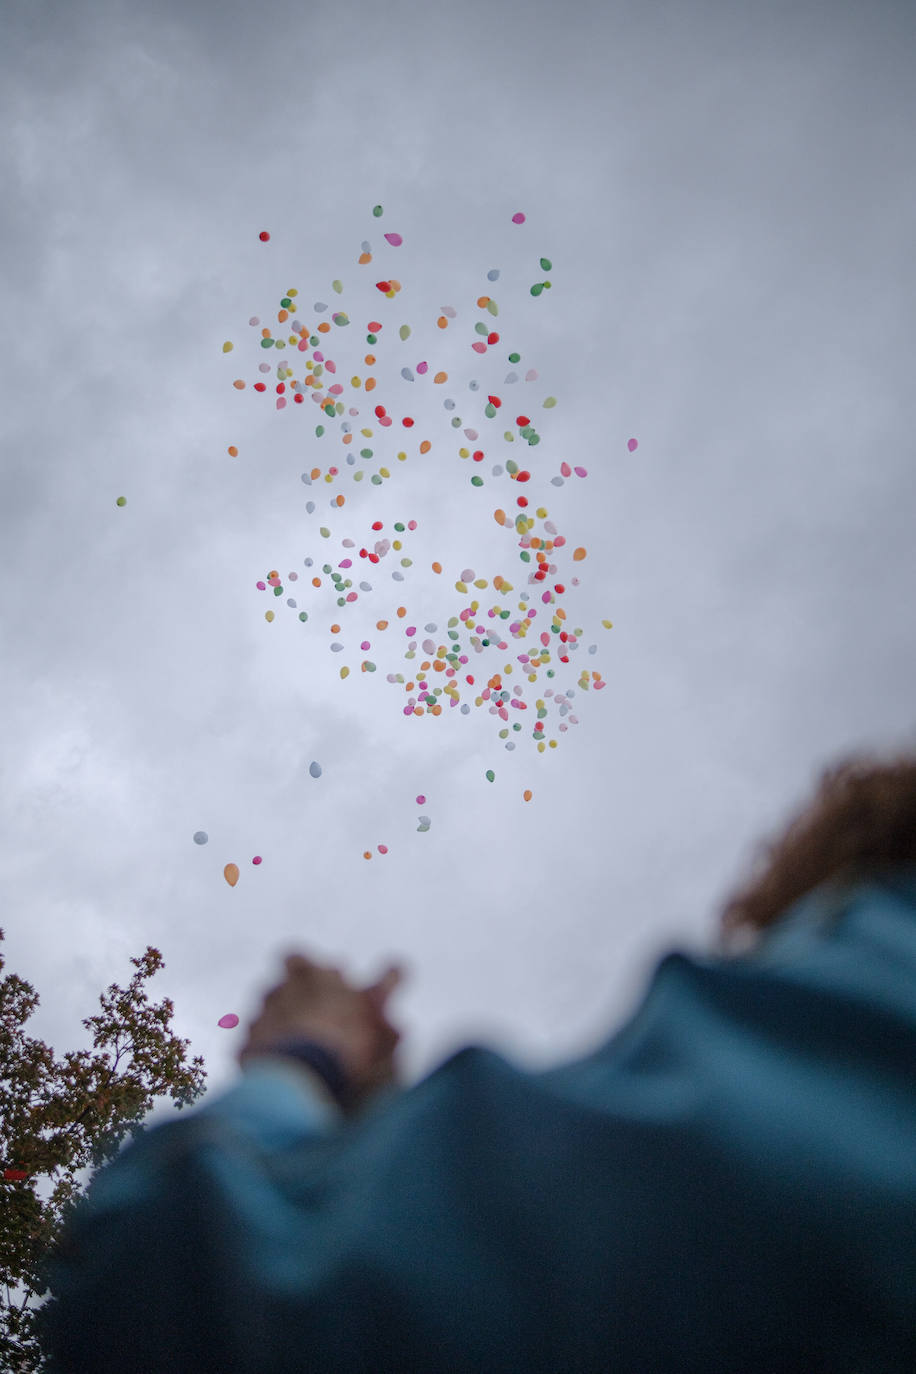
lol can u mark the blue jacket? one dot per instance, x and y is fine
(727, 1184)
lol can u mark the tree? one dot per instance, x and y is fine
(59, 1118)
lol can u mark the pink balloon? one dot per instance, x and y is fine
(228, 1021)
(422, 368)
(383, 848)
(632, 445)
(256, 859)
(421, 800)
(518, 217)
(394, 239)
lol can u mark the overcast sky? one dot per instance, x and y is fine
(725, 193)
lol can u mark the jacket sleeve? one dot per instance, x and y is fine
(137, 1207)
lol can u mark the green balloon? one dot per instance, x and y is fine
(267, 343)
(319, 430)
(377, 211)
(481, 328)
(515, 357)
(278, 591)
(376, 480)
(303, 615)
(476, 481)
(325, 534)
(546, 264)
(121, 501)
(286, 303)
(490, 775)
(404, 331)
(490, 410)
(337, 286)
(493, 307)
(399, 526)
(537, 288)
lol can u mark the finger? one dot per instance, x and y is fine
(298, 963)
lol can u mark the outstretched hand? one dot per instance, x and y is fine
(316, 1002)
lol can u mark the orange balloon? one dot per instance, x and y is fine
(231, 874)
(232, 451)
(527, 794)
(425, 446)
(437, 567)
(578, 555)
(440, 377)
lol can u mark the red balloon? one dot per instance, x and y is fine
(264, 236)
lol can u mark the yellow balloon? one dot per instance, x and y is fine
(231, 874)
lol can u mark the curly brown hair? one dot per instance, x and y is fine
(861, 819)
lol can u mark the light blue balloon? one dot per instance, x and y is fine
(200, 837)
(306, 479)
(493, 274)
(310, 506)
(315, 770)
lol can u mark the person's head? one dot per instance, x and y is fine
(861, 819)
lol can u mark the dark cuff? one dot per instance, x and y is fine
(324, 1061)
